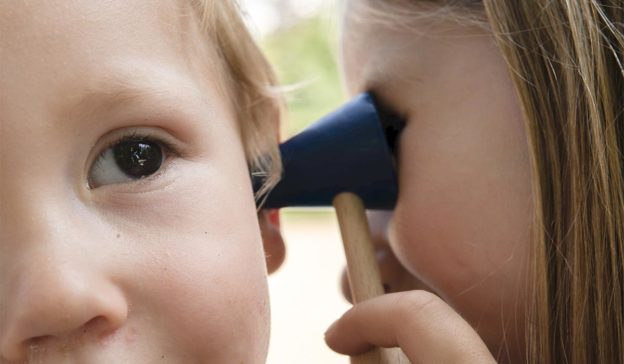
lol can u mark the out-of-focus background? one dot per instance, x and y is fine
(300, 37)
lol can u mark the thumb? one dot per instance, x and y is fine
(426, 328)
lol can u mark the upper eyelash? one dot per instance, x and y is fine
(135, 136)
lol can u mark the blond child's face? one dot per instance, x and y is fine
(462, 221)
(128, 231)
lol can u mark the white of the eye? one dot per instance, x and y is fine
(107, 172)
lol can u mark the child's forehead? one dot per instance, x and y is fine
(53, 47)
(53, 15)
(45, 31)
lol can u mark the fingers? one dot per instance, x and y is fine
(420, 323)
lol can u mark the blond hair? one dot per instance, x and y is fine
(251, 85)
(566, 59)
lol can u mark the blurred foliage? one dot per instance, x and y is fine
(304, 56)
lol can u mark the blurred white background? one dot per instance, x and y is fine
(305, 292)
(300, 39)
(267, 16)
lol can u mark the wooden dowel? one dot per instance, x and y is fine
(362, 269)
(364, 275)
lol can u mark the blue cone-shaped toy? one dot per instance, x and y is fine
(349, 150)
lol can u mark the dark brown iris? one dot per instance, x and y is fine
(138, 158)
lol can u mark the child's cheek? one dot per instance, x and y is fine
(207, 294)
(188, 196)
(194, 264)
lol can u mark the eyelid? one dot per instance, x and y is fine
(171, 146)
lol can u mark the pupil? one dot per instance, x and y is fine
(138, 159)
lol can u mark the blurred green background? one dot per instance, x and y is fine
(304, 55)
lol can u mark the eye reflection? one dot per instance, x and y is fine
(138, 159)
(127, 160)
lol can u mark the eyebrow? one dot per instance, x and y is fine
(97, 102)
(119, 91)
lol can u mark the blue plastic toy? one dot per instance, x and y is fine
(349, 150)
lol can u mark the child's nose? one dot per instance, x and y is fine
(54, 305)
(53, 288)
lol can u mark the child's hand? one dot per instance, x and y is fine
(420, 323)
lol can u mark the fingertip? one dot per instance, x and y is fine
(340, 338)
(331, 328)
(331, 337)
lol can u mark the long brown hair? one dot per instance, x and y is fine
(566, 59)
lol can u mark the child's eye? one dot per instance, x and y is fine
(129, 159)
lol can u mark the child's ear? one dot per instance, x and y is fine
(274, 247)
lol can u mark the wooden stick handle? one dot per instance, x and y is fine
(364, 275)
(362, 268)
